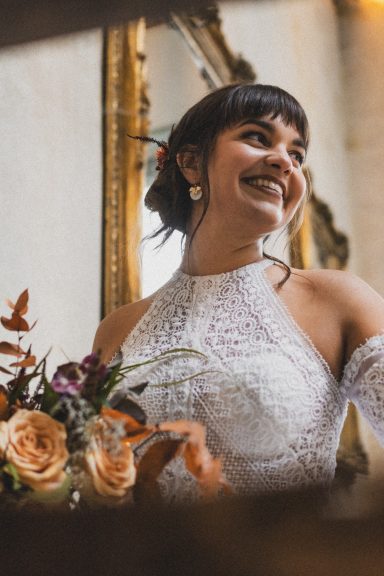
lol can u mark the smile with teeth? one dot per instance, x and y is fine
(266, 184)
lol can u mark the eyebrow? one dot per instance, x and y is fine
(269, 127)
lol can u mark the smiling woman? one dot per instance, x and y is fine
(284, 349)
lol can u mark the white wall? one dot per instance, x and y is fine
(50, 187)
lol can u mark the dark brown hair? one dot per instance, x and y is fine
(199, 128)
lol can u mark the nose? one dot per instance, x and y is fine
(280, 160)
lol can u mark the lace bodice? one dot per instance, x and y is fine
(272, 409)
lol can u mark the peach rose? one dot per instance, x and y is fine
(37, 449)
(112, 471)
(3, 438)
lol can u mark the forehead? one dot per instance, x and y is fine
(273, 125)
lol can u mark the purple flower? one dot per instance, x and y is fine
(91, 365)
(69, 379)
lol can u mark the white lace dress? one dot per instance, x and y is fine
(272, 409)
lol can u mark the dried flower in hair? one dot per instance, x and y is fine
(162, 153)
(162, 156)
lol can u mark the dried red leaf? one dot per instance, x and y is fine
(152, 464)
(11, 305)
(135, 430)
(3, 405)
(198, 459)
(26, 363)
(16, 323)
(21, 303)
(5, 371)
(184, 428)
(10, 349)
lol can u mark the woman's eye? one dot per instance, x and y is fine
(297, 157)
(258, 136)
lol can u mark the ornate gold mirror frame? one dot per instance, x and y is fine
(214, 59)
(126, 110)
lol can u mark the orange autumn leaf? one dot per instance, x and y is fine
(3, 405)
(198, 460)
(21, 306)
(26, 363)
(152, 464)
(16, 323)
(5, 371)
(10, 349)
(184, 428)
(134, 430)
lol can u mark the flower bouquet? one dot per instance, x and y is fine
(68, 438)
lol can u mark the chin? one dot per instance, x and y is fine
(269, 222)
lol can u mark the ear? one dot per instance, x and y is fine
(189, 165)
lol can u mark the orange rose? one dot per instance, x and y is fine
(37, 449)
(112, 471)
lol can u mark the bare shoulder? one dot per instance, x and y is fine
(115, 327)
(359, 307)
(345, 288)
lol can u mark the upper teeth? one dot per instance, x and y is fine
(266, 183)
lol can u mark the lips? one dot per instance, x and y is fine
(267, 183)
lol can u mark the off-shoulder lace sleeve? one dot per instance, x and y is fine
(363, 382)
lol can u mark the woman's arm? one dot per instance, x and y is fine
(363, 379)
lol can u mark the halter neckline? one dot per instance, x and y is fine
(258, 265)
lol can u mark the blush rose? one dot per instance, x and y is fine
(3, 438)
(37, 448)
(113, 472)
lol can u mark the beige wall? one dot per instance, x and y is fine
(50, 188)
(362, 52)
(362, 41)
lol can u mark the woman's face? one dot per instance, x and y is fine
(255, 175)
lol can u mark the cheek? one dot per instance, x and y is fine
(221, 177)
(296, 207)
(298, 189)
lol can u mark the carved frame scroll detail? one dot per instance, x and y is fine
(214, 58)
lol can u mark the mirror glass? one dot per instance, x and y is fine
(174, 84)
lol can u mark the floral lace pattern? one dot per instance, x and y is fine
(363, 382)
(272, 409)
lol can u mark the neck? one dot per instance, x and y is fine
(214, 252)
